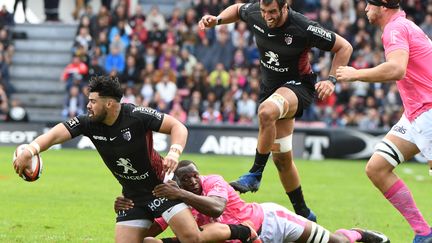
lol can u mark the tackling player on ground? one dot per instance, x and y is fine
(284, 39)
(408, 52)
(213, 200)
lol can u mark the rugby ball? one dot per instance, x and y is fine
(36, 162)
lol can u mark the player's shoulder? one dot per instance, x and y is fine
(141, 111)
(213, 179)
(81, 120)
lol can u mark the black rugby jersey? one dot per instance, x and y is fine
(284, 50)
(126, 147)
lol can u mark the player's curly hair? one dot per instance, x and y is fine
(106, 86)
(280, 3)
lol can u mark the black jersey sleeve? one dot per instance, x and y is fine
(245, 9)
(320, 37)
(75, 125)
(150, 118)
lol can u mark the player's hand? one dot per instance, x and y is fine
(169, 190)
(345, 73)
(23, 163)
(122, 203)
(207, 21)
(170, 162)
(324, 89)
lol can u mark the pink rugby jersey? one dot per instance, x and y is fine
(236, 210)
(416, 87)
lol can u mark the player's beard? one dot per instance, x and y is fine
(276, 20)
(374, 16)
(98, 118)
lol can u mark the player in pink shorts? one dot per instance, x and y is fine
(213, 200)
(408, 52)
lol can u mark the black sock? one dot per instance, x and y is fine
(298, 202)
(259, 163)
(239, 232)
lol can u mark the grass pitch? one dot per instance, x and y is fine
(73, 200)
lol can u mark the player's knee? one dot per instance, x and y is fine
(282, 145)
(266, 115)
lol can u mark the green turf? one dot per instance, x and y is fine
(73, 201)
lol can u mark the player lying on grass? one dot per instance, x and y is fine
(213, 200)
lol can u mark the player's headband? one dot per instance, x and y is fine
(384, 3)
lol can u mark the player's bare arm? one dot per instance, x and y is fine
(229, 15)
(393, 69)
(56, 135)
(342, 50)
(212, 206)
(178, 133)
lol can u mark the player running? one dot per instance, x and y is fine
(284, 39)
(408, 54)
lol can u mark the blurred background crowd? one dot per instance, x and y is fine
(212, 76)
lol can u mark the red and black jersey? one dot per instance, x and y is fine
(126, 147)
(284, 50)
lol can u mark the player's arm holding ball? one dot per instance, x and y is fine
(56, 135)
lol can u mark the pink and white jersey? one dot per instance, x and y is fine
(416, 87)
(236, 210)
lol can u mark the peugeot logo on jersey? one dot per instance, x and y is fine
(273, 57)
(127, 165)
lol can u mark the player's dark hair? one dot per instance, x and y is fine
(184, 163)
(388, 4)
(106, 86)
(280, 3)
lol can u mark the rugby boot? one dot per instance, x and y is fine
(248, 182)
(370, 236)
(423, 238)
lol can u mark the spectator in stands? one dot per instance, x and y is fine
(211, 116)
(138, 18)
(178, 112)
(5, 77)
(426, 26)
(115, 60)
(155, 18)
(73, 68)
(131, 74)
(6, 18)
(84, 38)
(246, 108)
(74, 104)
(165, 70)
(219, 73)
(120, 14)
(95, 69)
(129, 95)
(147, 90)
(167, 89)
(193, 116)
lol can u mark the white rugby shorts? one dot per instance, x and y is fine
(418, 132)
(280, 225)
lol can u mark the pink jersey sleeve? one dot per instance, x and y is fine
(215, 186)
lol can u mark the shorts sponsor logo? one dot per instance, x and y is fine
(399, 129)
(155, 204)
(320, 32)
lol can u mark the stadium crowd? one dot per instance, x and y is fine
(212, 76)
